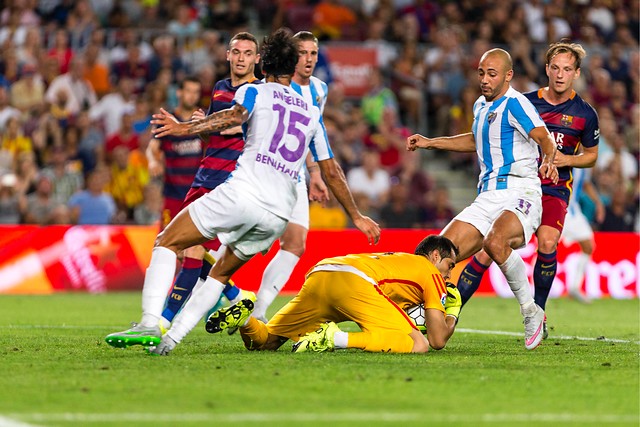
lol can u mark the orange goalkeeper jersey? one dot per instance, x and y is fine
(406, 279)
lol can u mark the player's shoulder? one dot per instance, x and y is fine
(584, 106)
(320, 84)
(224, 84)
(534, 95)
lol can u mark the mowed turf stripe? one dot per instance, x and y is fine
(285, 418)
(458, 330)
(551, 336)
(8, 422)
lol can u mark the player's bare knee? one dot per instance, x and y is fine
(547, 245)
(494, 247)
(295, 249)
(196, 252)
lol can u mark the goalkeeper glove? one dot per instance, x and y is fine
(453, 303)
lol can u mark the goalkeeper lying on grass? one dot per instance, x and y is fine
(372, 290)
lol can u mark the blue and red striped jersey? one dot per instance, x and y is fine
(572, 123)
(182, 158)
(222, 151)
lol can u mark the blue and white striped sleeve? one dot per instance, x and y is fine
(523, 115)
(246, 96)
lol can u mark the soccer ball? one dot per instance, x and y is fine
(416, 313)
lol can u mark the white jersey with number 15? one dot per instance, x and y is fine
(281, 128)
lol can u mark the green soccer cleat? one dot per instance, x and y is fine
(137, 335)
(230, 317)
(319, 340)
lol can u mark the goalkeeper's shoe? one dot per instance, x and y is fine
(137, 335)
(233, 316)
(245, 295)
(533, 328)
(319, 340)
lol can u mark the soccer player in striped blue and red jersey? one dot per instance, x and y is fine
(574, 126)
(220, 156)
(177, 158)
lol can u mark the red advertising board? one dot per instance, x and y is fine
(38, 260)
(352, 66)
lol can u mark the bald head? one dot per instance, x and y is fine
(500, 55)
(494, 73)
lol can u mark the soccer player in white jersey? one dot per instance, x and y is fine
(577, 229)
(508, 208)
(250, 210)
(293, 241)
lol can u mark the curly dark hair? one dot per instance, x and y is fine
(432, 242)
(279, 53)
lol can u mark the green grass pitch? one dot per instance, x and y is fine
(56, 370)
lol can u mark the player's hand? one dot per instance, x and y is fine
(167, 125)
(318, 191)
(369, 227)
(198, 114)
(417, 141)
(549, 170)
(561, 160)
(453, 303)
(232, 131)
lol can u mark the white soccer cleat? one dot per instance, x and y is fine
(533, 328)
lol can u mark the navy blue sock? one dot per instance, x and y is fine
(543, 274)
(470, 279)
(206, 268)
(186, 280)
(230, 291)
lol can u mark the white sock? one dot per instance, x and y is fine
(157, 282)
(515, 271)
(273, 280)
(204, 296)
(581, 267)
(340, 339)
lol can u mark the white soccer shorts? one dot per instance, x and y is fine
(576, 227)
(487, 207)
(300, 213)
(236, 221)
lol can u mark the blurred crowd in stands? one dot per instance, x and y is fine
(79, 81)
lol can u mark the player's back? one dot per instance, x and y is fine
(508, 159)
(278, 132)
(407, 279)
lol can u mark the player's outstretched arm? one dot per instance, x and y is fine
(216, 122)
(337, 182)
(461, 143)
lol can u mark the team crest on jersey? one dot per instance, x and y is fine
(491, 117)
(566, 120)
